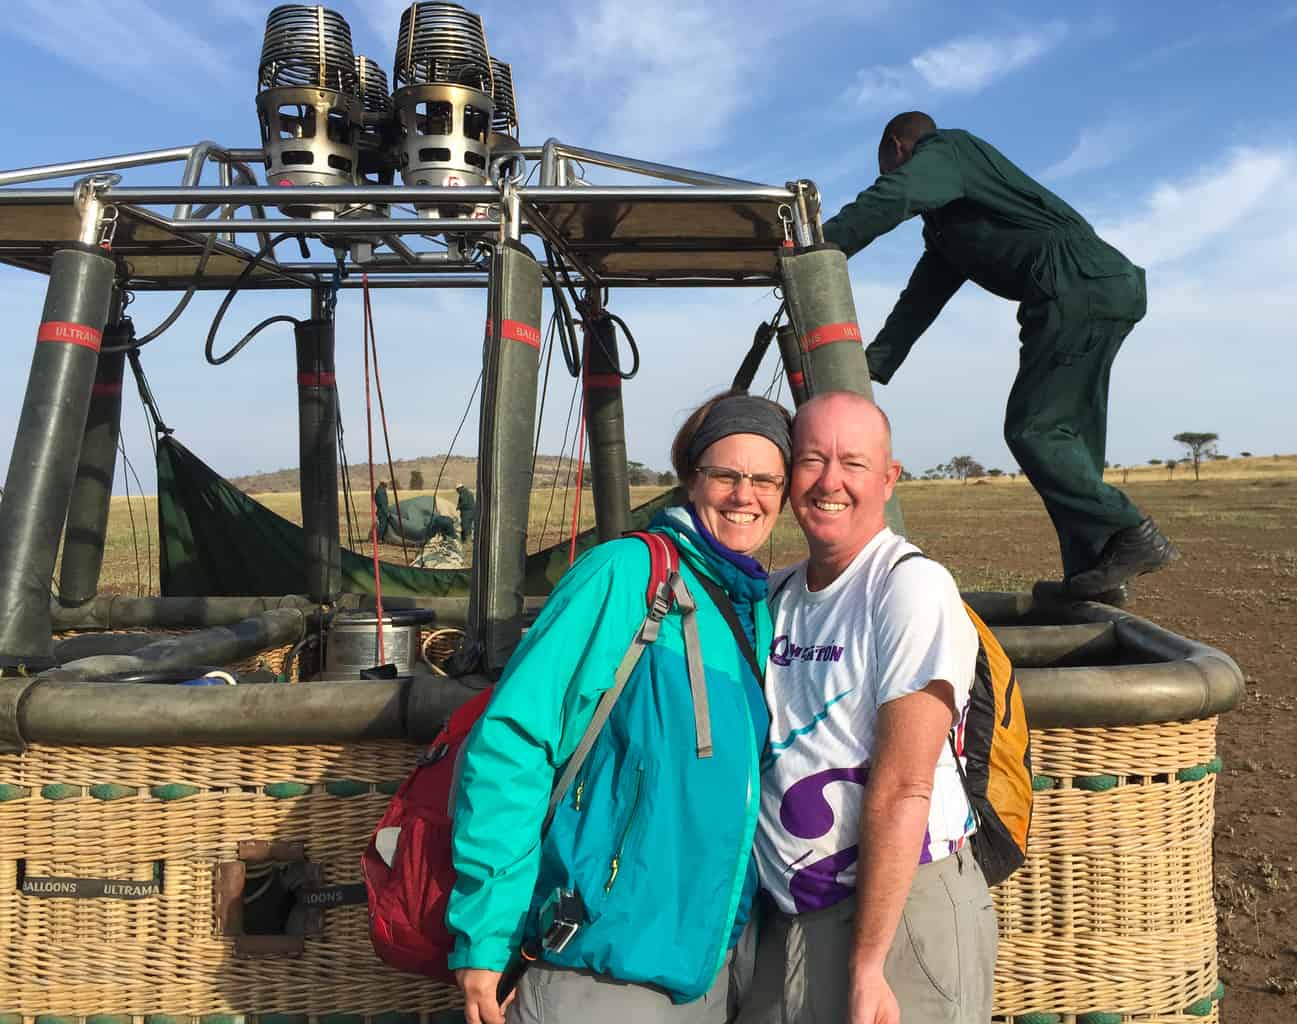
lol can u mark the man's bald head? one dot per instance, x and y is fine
(848, 404)
(843, 475)
(899, 137)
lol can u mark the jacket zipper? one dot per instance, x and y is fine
(576, 796)
(615, 866)
(750, 811)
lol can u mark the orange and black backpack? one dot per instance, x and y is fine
(996, 761)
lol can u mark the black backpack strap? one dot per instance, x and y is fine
(731, 616)
(903, 559)
(780, 589)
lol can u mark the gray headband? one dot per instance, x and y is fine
(742, 414)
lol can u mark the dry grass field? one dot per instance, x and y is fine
(1235, 588)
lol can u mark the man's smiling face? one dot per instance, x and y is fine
(842, 475)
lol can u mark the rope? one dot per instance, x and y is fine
(148, 529)
(544, 393)
(373, 508)
(382, 412)
(443, 643)
(468, 407)
(580, 467)
(146, 397)
(130, 511)
(558, 468)
(348, 499)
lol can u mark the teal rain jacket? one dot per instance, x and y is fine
(656, 840)
(986, 221)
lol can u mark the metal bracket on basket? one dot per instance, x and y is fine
(13, 691)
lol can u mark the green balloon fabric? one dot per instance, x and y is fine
(202, 516)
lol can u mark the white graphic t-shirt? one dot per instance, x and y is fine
(873, 635)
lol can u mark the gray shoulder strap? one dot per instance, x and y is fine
(694, 659)
(646, 634)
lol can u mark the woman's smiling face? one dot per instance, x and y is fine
(739, 516)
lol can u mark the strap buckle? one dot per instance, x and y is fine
(661, 603)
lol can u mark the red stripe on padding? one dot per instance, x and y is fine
(516, 330)
(317, 380)
(602, 380)
(106, 389)
(797, 378)
(830, 333)
(69, 334)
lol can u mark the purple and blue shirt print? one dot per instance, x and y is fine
(825, 680)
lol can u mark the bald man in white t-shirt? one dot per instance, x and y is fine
(881, 912)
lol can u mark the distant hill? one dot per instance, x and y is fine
(458, 470)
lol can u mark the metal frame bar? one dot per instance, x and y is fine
(554, 152)
(192, 205)
(360, 195)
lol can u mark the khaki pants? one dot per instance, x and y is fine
(557, 995)
(940, 966)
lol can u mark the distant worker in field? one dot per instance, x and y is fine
(985, 220)
(467, 513)
(382, 510)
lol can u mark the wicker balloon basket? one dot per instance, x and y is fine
(134, 881)
(123, 872)
(1112, 918)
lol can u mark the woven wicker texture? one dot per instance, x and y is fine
(1111, 916)
(160, 954)
(1113, 912)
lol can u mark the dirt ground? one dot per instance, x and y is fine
(1234, 588)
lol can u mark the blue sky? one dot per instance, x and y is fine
(1170, 126)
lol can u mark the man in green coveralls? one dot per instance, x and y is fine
(986, 221)
(467, 513)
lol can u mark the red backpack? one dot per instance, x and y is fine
(407, 866)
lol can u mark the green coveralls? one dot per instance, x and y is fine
(382, 509)
(985, 220)
(467, 513)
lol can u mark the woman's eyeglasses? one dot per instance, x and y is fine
(729, 479)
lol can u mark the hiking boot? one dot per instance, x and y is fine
(1128, 553)
(1055, 592)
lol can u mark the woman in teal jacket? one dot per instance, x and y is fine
(654, 835)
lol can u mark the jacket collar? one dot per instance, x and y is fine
(742, 577)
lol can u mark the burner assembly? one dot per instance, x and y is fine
(309, 102)
(328, 117)
(443, 100)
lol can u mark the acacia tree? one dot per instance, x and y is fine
(1200, 445)
(962, 467)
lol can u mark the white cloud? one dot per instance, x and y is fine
(966, 65)
(130, 43)
(879, 87)
(971, 64)
(1098, 146)
(1180, 218)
